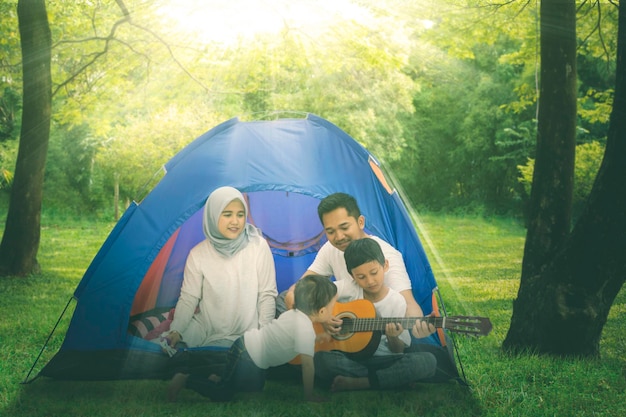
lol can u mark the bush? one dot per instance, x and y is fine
(588, 160)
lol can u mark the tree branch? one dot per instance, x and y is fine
(597, 28)
(171, 53)
(111, 37)
(95, 57)
(122, 6)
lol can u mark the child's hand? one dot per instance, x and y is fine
(333, 326)
(393, 329)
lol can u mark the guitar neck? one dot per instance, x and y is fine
(360, 316)
(379, 323)
(469, 325)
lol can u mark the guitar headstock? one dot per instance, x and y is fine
(469, 325)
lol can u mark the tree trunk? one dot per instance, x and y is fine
(563, 304)
(551, 194)
(20, 242)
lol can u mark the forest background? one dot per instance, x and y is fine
(443, 93)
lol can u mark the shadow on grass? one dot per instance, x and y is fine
(46, 397)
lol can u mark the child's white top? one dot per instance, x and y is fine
(393, 305)
(282, 340)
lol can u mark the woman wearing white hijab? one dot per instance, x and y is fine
(229, 283)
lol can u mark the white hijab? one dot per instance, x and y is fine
(215, 204)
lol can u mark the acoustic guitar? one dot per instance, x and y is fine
(361, 329)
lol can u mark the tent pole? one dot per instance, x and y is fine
(463, 378)
(26, 380)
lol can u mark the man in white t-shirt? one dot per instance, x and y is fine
(343, 222)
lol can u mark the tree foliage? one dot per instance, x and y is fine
(445, 94)
(10, 91)
(588, 158)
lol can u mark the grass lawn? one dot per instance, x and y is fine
(476, 262)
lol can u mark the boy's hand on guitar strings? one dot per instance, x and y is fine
(393, 329)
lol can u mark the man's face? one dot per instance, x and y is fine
(342, 229)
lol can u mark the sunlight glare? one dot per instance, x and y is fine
(227, 21)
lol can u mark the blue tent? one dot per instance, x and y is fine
(284, 167)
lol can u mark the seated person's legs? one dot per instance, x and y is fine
(411, 367)
(330, 364)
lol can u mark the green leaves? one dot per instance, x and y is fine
(440, 91)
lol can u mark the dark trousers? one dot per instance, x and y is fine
(240, 375)
(383, 372)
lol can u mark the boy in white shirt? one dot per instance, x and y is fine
(274, 344)
(389, 367)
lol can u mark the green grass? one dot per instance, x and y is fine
(477, 264)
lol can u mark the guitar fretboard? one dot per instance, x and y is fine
(379, 323)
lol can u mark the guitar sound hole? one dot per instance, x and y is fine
(347, 326)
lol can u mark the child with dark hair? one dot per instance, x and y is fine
(389, 367)
(274, 344)
(360, 253)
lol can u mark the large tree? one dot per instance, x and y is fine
(20, 242)
(570, 279)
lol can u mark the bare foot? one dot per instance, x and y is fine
(346, 383)
(176, 384)
(215, 378)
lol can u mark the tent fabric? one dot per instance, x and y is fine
(284, 168)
